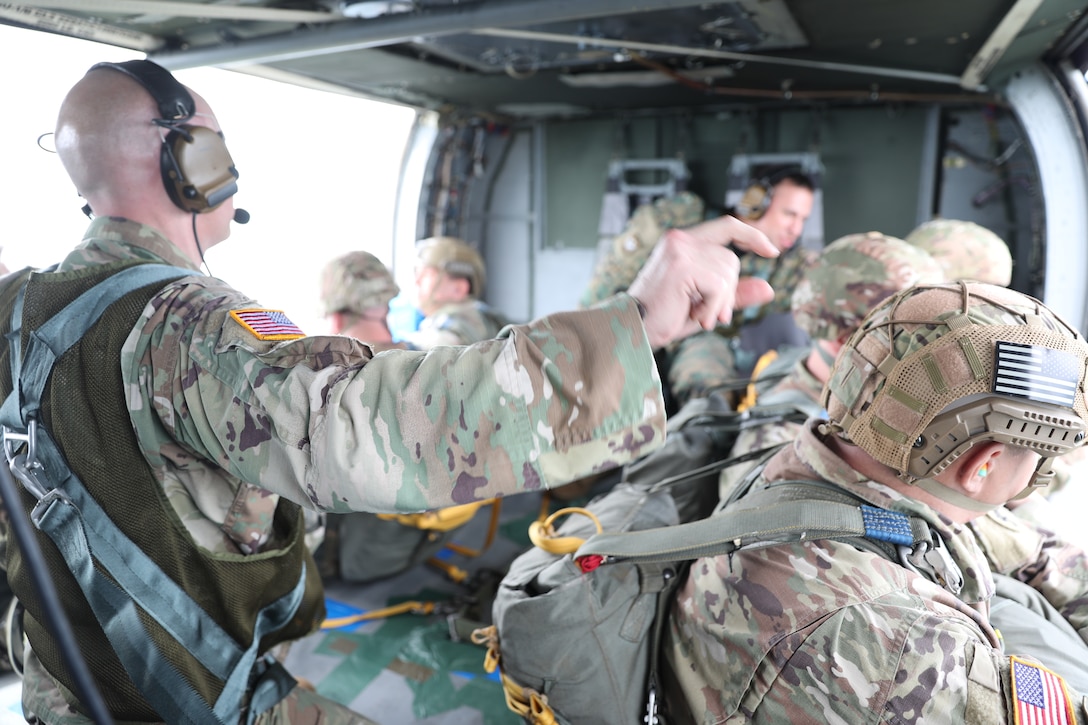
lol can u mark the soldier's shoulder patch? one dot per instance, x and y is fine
(1039, 695)
(267, 324)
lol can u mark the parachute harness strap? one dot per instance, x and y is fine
(84, 534)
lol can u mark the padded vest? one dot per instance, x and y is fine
(84, 409)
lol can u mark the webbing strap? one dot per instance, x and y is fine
(81, 529)
(173, 698)
(775, 523)
(155, 677)
(272, 685)
(46, 344)
(15, 334)
(15, 339)
(786, 399)
(84, 533)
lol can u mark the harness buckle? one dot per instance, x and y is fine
(25, 466)
(934, 559)
(13, 440)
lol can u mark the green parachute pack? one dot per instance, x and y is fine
(362, 547)
(578, 618)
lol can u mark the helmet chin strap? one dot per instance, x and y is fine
(948, 495)
(1044, 473)
(826, 356)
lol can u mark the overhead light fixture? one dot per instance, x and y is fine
(375, 8)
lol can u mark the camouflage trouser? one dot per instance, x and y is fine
(301, 706)
(44, 703)
(700, 364)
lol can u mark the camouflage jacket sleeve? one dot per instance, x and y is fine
(320, 419)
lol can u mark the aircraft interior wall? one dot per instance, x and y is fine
(530, 196)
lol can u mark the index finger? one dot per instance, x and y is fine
(728, 230)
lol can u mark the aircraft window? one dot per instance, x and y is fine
(317, 170)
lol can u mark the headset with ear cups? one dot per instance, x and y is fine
(756, 199)
(197, 169)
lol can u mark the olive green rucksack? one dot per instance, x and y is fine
(577, 625)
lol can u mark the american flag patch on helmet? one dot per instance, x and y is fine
(1037, 373)
(268, 324)
(1039, 696)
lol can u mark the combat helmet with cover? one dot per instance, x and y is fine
(356, 282)
(851, 276)
(965, 250)
(456, 258)
(937, 368)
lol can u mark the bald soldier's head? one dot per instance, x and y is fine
(110, 147)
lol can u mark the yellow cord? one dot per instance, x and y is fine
(445, 519)
(543, 535)
(411, 607)
(750, 393)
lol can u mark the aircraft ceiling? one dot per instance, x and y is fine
(536, 58)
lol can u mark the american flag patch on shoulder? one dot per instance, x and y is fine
(1037, 373)
(1039, 696)
(268, 324)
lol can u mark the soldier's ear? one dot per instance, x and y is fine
(462, 285)
(976, 465)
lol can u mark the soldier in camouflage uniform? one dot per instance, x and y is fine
(709, 360)
(922, 421)
(758, 329)
(631, 248)
(217, 418)
(965, 250)
(725, 357)
(852, 275)
(696, 364)
(449, 281)
(355, 292)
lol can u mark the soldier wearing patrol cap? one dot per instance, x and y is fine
(851, 276)
(450, 279)
(948, 401)
(355, 292)
(965, 250)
